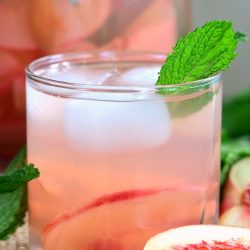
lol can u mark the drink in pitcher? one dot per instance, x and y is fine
(121, 159)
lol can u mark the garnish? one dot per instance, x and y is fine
(240, 36)
(11, 182)
(201, 53)
(13, 194)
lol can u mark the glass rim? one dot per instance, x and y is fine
(88, 55)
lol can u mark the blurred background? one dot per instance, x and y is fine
(237, 77)
(31, 29)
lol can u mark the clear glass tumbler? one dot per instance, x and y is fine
(120, 158)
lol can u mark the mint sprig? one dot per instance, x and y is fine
(240, 36)
(11, 182)
(200, 54)
(13, 197)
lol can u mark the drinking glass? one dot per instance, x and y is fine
(121, 158)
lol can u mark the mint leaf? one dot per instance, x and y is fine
(240, 36)
(13, 205)
(200, 54)
(18, 178)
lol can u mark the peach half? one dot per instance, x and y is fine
(201, 237)
(235, 210)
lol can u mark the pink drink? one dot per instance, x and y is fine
(31, 29)
(119, 161)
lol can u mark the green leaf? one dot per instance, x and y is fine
(200, 54)
(224, 136)
(18, 178)
(235, 118)
(13, 205)
(240, 36)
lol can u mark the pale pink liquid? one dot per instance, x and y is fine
(96, 199)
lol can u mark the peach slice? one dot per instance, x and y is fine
(236, 216)
(237, 185)
(201, 237)
(122, 220)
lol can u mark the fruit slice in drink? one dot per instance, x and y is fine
(201, 237)
(123, 220)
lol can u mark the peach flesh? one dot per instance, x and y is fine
(201, 237)
(236, 216)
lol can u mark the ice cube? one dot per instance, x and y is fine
(141, 76)
(116, 126)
